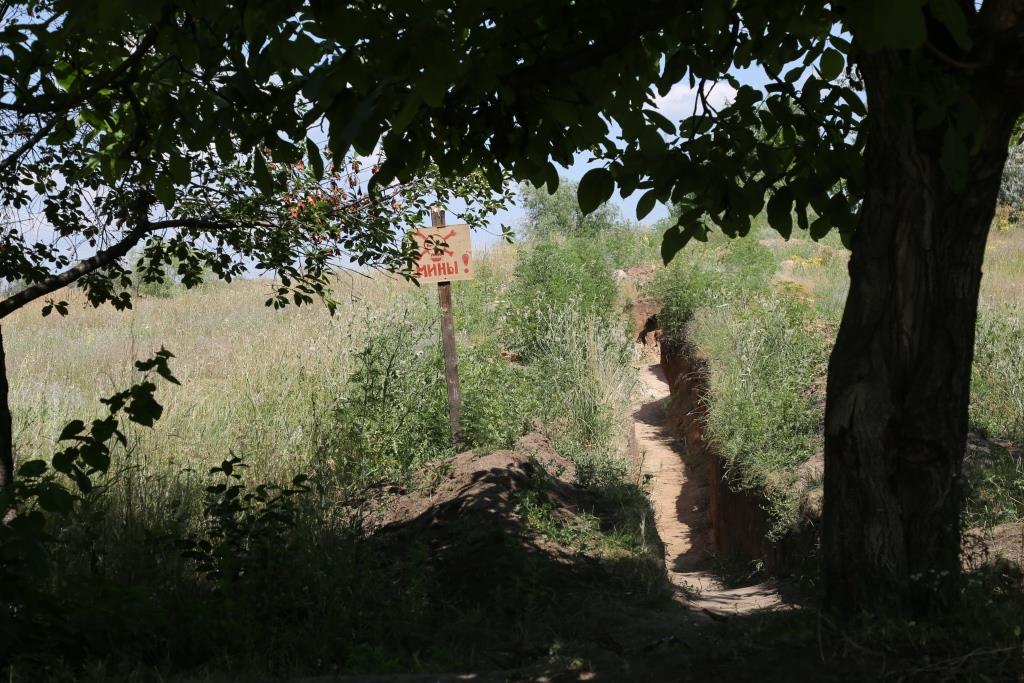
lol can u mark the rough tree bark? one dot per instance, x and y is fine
(899, 375)
(6, 433)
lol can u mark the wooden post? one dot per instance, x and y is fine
(451, 363)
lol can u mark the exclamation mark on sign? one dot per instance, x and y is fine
(465, 261)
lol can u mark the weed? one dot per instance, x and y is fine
(551, 277)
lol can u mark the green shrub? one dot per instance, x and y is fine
(559, 214)
(627, 246)
(499, 400)
(763, 357)
(718, 273)
(393, 416)
(764, 352)
(554, 276)
(584, 378)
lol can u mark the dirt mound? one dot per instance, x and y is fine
(510, 534)
(473, 483)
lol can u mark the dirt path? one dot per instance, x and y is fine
(679, 496)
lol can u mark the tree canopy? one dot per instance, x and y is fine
(158, 127)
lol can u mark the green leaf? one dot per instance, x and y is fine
(64, 460)
(661, 121)
(646, 204)
(552, 177)
(780, 212)
(954, 159)
(316, 162)
(144, 409)
(879, 24)
(831, 64)
(951, 15)
(819, 228)
(262, 174)
(432, 86)
(302, 52)
(801, 215)
(97, 457)
(82, 480)
(595, 189)
(714, 13)
(180, 169)
(163, 187)
(225, 147)
(56, 499)
(672, 243)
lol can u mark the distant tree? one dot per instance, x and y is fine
(559, 213)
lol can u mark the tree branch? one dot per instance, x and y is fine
(31, 142)
(70, 101)
(99, 260)
(952, 61)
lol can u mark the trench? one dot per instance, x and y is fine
(705, 526)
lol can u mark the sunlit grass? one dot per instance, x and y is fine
(766, 369)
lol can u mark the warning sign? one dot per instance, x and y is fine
(445, 254)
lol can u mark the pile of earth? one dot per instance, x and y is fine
(469, 532)
(515, 602)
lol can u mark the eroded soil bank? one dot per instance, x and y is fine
(738, 520)
(691, 512)
(473, 534)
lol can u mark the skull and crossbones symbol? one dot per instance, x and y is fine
(436, 245)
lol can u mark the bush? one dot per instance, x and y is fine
(723, 272)
(575, 374)
(763, 357)
(393, 416)
(553, 277)
(764, 353)
(584, 377)
(627, 246)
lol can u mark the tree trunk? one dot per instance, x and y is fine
(899, 375)
(6, 431)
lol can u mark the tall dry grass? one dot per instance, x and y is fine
(252, 378)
